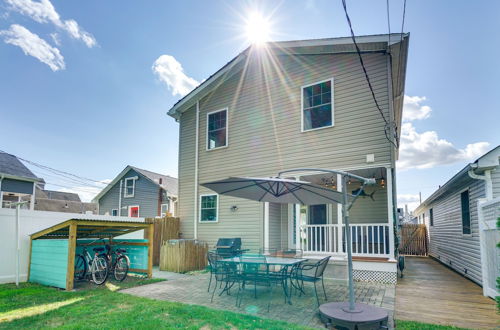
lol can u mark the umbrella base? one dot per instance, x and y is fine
(337, 314)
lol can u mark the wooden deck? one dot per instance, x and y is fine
(430, 292)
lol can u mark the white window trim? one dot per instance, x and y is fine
(138, 210)
(470, 213)
(227, 130)
(114, 210)
(302, 106)
(161, 206)
(125, 195)
(216, 212)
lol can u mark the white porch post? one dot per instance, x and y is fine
(32, 200)
(266, 225)
(390, 212)
(339, 217)
(298, 243)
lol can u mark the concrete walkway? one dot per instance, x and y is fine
(192, 289)
(432, 293)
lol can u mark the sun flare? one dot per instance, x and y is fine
(258, 28)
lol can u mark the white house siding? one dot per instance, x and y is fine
(447, 243)
(264, 116)
(495, 179)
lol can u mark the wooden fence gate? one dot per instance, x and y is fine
(164, 229)
(414, 241)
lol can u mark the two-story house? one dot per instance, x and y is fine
(297, 104)
(138, 193)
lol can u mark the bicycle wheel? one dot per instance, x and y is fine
(121, 268)
(99, 270)
(80, 267)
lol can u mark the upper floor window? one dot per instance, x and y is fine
(164, 210)
(217, 129)
(431, 217)
(464, 198)
(209, 208)
(129, 187)
(317, 105)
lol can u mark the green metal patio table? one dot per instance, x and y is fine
(283, 262)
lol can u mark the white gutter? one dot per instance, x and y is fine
(196, 151)
(119, 200)
(486, 178)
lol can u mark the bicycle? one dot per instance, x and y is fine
(98, 266)
(118, 262)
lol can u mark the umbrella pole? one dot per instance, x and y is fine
(345, 213)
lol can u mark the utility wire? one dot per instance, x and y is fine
(358, 51)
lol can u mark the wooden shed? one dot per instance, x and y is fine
(52, 250)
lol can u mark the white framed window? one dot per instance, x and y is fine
(163, 210)
(129, 187)
(465, 208)
(114, 212)
(209, 208)
(217, 129)
(317, 105)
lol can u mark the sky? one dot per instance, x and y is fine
(85, 86)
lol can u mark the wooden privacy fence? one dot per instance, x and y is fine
(414, 240)
(183, 255)
(164, 229)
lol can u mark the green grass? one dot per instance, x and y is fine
(36, 306)
(413, 325)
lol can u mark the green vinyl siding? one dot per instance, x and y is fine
(49, 262)
(265, 136)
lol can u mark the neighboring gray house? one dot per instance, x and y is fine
(59, 201)
(460, 217)
(138, 193)
(17, 182)
(297, 104)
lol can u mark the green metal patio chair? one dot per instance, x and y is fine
(254, 270)
(311, 273)
(223, 273)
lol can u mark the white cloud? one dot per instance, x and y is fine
(426, 150)
(44, 12)
(56, 39)
(413, 109)
(170, 71)
(86, 193)
(412, 200)
(33, 45)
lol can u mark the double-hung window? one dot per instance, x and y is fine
(129, 187)
(464, 199)
(209, 208)
(217, 129)
(317, 105)
(114, 212)
(164, 210)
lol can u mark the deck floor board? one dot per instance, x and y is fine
(430, 292)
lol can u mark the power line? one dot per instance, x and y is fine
(388, 125)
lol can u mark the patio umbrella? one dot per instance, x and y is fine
(285, 191)
(276, 190)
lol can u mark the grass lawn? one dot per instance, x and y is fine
(413, 325)
(37, 306)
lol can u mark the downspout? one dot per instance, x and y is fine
(1, 193)
(120, 199)
(486, 178)
(196, 151)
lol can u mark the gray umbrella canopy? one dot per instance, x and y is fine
(276, 190)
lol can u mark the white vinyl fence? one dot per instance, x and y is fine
(32, 222)
(488, 213)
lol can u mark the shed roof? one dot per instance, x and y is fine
(90, 228)
(12, 167)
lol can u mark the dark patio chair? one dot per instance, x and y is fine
(311, 273)
(223, 273)
(254, 270)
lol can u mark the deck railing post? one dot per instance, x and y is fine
(390, 213)
(340, 231)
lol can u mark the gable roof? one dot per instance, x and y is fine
(489, 160)
(11, 167)
(392, 43)
(168, 183)
(56, 195)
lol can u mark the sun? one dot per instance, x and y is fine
(257, 28)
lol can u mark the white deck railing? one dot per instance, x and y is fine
(367, 239)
